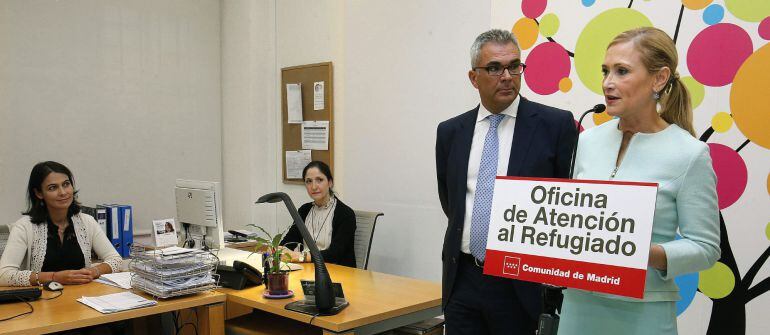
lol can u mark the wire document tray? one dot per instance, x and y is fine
(164, 274)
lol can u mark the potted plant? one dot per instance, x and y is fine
(277, 278)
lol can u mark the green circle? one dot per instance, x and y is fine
(593, 40)
(717, 282)
(549, 25)
(696, 89)
(749, 10)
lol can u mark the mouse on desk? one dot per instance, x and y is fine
(53, 286)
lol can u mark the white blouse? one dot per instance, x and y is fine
(319, 223)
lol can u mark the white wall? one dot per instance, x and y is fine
(248, 104)
(399, 69)
(406, 70)
(126, 94)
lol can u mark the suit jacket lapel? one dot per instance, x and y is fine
(525, 128)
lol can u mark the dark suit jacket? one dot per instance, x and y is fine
(340, 250)
(543, 139)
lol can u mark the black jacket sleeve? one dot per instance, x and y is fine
(441, 166)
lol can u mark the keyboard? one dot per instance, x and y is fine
(14, 295)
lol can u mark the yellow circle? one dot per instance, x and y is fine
(696, 89)
(717, 282)
(600, 118)
(696, 4)
(565, 84)
(525, 30)
(549, 25)
(750, 88)
(721, 122)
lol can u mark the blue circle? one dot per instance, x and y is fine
(713, 14)
(588, 3)
(688, 285)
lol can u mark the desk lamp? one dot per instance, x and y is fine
(325, 302)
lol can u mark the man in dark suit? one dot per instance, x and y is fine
(504, 135)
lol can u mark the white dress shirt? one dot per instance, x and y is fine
(505, 140)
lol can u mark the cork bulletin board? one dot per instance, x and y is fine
(307, 76)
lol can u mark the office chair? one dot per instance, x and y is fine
(362, 243)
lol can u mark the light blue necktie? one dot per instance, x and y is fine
(485, 183)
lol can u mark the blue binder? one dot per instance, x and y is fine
(114, 231)
(126, 229)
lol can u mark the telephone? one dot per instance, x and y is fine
(238, 276)
(252, 275)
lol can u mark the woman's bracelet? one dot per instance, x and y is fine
(37, 278)
(98, 272)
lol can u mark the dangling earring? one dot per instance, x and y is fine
(656, 97)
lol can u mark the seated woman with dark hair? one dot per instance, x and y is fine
(331, 223)
(53, 240)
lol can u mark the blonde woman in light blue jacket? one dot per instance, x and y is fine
(651, 139)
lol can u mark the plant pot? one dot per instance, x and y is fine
(278, 283)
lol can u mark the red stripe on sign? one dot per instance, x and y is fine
(594, 277)
(580, 181)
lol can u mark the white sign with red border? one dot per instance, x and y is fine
(585, 234)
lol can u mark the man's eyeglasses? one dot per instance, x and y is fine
(497, 70)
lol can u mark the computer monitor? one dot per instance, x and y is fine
(199, 212)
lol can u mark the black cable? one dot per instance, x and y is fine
(54, 297)
(313, 318)
(31, 309)
(175, 317)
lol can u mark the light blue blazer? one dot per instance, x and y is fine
(686, 200)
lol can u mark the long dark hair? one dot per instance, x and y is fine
(36, 208)
(321, 166)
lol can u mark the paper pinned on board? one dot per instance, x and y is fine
(294, 102)
(296, 162)
(315, 135)
(318, 96)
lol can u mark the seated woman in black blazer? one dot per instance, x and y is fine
(331, 223)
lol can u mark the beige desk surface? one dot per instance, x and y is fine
(373, 297)
(65, 313)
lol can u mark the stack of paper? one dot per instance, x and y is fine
(173, 271)
(116, 302)
(119, 279)
(169, 286)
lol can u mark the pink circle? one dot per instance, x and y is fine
(764, 28)
(717, 52)
(533, 8)
(731, 174)
(547, 63)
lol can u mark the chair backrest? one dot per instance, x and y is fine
(365, 222)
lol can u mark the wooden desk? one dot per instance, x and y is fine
(378, 301)
(65, 313)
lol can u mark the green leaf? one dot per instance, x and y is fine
(264, 231)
